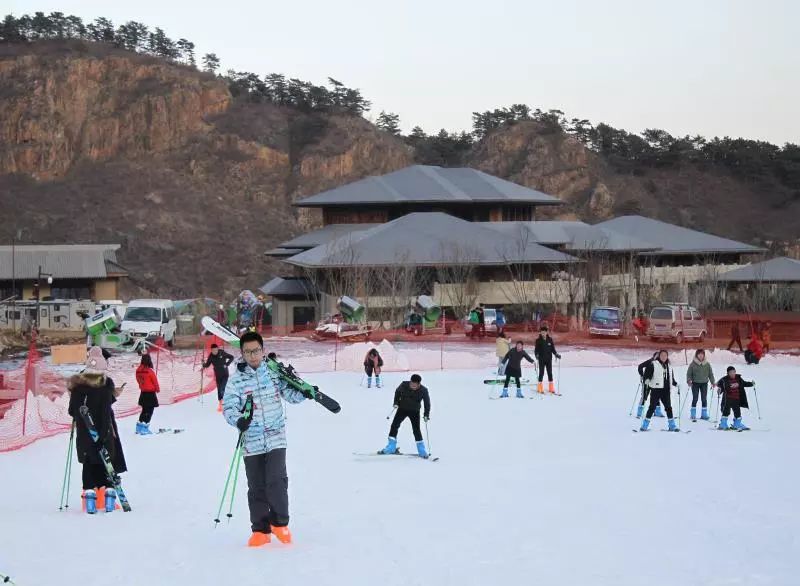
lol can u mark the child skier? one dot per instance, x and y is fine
(263, 439)
(148, 387)
(513, 367)
(734, 398)
(221, 361)
(502, 346)
(659, 376)
(543, 351)
(698, 376)
(646, 389)
(97, 391)
(407, 399)
(373, 363)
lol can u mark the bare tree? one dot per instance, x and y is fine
(458, 275)
(522, 288)
(397, 283)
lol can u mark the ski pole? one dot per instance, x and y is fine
(235, 480)
(755, 392)
(635, 398)
(392, 411)
(558, 381)
(64, 503)
(428, 434)
(6, 579)
(681, 405)
(228, 480)
(719, 400)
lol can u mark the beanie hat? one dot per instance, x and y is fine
(95, 361)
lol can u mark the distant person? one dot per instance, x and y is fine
(513, 368)
(372, 364)
(734, 397)
(698, 376)
(502, 346)
(543, 351)
(660, 378)
(481, 321)
(407, 400)
(766, 336)
(646, 389)
(474, 322)
(736, 336)
(148, 400)
(500, 320)
(755, 351)
(221, 361)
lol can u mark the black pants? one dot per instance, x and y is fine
(508, 379)
(267, 490)
(222, 382)
(549, 366)
(732, 404)
(736, 340)
(645, 393)
(147, 414)
(399, 417)
(93, 476)
(702, 390)
(656, 396)
(749, 357)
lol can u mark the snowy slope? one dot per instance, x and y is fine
(555, 490)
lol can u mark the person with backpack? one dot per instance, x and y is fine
(221, 360)
(407, 399)
(148, 400)
(543, 351)
(733, 397)
(698, 376)
(660, 377)
(372, 364)
(513, 368)
(646, 389)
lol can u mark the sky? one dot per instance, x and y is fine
(710, 67)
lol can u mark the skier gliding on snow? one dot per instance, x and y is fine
(646, 389)
(513, 367)
(734, 398)
(543, 351)
(698, 376)
(659, 377)
(407, 399)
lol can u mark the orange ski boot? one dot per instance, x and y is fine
(540, 388)
(257, 539)
(552, 388)
(283, 534)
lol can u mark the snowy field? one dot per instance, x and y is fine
(554, 490)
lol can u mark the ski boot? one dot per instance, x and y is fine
(111, 499)
(739, 425)
(519, 394)
(659, 412)
(139, 427)
(258, 538)
(219, 407)
(693, 413)
(90, 500)
(282, 533)
(146, 429)
(421, 449)
(645, 425)
(540, 388)
(639, 411)
(504, 394)
(672, 425)
(723, 423)
(704, 414)
(369, 382)
(378, 381)
(552, 388)
(391, 447)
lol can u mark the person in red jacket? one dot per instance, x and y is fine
(755, 350)
(148, 385)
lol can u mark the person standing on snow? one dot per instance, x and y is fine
(645, 389)
(736, 337)
(513, 367)
(407, 399)
(148, 386)
(502, 346)
(698, 376)
(373, 363)
(766, 336)
(500, 320)
(734, 398)
(543, 351)
(755, 351)
(263, 439)
(474, 322)
(221, 361)
(96, 391)
(659, 376)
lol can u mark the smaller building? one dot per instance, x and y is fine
(772, 284)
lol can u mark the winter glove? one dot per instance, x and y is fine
(558, 356)
(426, 418)
(243, 423)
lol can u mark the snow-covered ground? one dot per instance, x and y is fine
(554, 490)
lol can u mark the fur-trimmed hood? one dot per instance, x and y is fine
(96, 381)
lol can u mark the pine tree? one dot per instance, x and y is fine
(210, 62)
(389, 122)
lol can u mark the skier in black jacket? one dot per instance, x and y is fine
(733, 397)
(221, 361)
(513, 367)
(646, 389)
(407, 399)
(659, 377)
(543, 351)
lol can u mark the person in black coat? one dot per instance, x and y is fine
(659, 376)
(221, 360)
(734, 397)
(543, 351)
(372, 364)
(646, 389)
(513, 368)
(407, 399)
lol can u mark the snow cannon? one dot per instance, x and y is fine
(427, 308)
(351, 310)
(104, 322)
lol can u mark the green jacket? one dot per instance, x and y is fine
(699, 372)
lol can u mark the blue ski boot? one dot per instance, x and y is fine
(90, 498)
(738, 425)
(391, 447)
(519, 394)
(111, 497)
(369, 382)
(504, 394)
(723, 423)
(659, 412)
(146, 429)
(421, 449)
(639, 411)
(693, 412)
(139, 426)
(645, 425)
(704, 414)
(672, 425)
(377, 381)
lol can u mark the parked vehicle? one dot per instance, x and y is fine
(676, 322)
(489, 321)
(605, 321)
(151, 318)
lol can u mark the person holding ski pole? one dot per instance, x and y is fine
(148, 387)
(407, 399)
(264, 439)
(373, 363)
(502, 346)
(543, 351)
(659, 377)
(221, 361)
(734, 397)
(645, 389)
(698, 376)
(513, 367)
(97, 392)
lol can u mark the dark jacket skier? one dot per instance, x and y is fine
(221, 360)
(659, 377)
(543, 351)
(372, 364)
(513, 368)
(734, 397)
(407, 400)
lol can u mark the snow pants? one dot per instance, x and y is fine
(146, 415)
(399, 417)
(734, 405)
(702, 390)
(645, 393)
(549, 366)
(93, 476)
(508, 379)
(750, 357)
(222, 382)
(267, 490)
(500, 366)
(662, 396)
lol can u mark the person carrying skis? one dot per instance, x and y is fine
(698, 375)
(659, 376)
(502, 346)
(97, 392)
(755, 351)
(373, 363)
(407, 399)
(263, 437)
(221, 361)
(734, 397)
(513, 367)
(736, 337)
(543, 351)
(646, 389)
(148, 387)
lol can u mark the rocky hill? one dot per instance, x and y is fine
(103, 145)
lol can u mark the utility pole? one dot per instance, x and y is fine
(39, 294)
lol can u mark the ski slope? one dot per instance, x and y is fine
(554, 490)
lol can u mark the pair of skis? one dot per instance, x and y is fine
(105, 457)
(288, 374)
(397, 454)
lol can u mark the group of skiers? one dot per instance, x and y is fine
(509, 361)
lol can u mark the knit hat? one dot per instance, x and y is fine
(95, 361)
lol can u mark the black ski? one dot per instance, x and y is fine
(379, 453)
(111, 474)
(288, 374)
(170, 430)
(500, 381)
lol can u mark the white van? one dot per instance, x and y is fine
(151, 318)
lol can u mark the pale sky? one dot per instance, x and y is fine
(710, 67)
